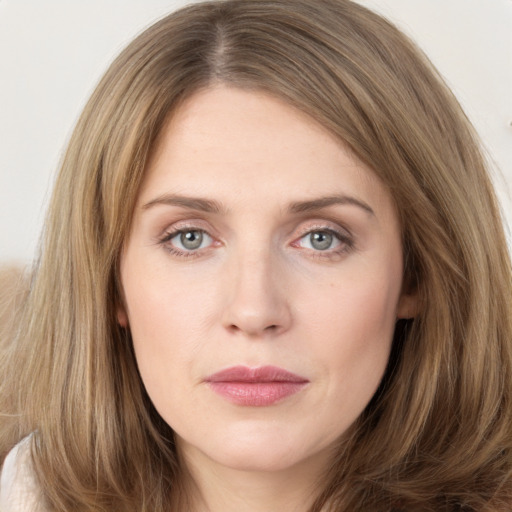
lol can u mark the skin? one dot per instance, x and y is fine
(259, 291)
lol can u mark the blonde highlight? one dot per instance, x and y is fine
(98, 443)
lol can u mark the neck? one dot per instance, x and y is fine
(212, 487)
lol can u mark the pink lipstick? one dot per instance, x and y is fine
(255, 387)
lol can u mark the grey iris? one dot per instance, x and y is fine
(191, 239)
(321, 240)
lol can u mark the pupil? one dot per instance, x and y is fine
(321, 240)
(192, 239)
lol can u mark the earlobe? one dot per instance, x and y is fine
(408, 307)
(122, 317)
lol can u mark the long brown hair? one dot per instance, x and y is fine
(438, 434)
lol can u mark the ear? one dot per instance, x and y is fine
(408, 306)
(122, 317)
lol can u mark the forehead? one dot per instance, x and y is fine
(249, 145)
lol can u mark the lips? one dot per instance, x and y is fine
(255, 387)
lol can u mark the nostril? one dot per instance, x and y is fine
(233, 328)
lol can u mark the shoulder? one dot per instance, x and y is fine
(18, 487)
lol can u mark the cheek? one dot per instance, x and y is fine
(353, 326)
(160, 302)
(358, 306)
(358, 356)
(167, 320)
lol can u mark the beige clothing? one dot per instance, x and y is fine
(18, 488)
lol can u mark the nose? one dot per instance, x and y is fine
(257, 304)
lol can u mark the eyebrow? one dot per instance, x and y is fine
(325, 202)
(193, 203)
(211, 206)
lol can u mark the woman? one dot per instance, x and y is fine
(273, 276)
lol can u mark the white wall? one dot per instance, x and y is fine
(52, 53)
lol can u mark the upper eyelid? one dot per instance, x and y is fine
(342, 238)
(169, 234)
(303, 228)
(330, 226)
(197, 224)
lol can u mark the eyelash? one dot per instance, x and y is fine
(165, 241)
(346, 242)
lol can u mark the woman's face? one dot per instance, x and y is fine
(262, 280)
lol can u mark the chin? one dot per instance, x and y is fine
(257, 458)
(257, 448)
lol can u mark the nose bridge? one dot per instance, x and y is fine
(256, 303)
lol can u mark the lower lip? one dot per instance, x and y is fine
(256, 394)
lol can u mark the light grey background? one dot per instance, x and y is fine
(52, 53)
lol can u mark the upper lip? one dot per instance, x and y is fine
(253, 375)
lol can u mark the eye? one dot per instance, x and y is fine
(320, 240)
(187, 240)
